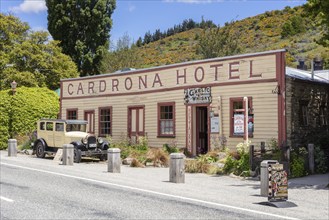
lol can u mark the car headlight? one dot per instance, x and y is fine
(85, 140)
(100, 140)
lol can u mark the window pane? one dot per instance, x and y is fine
(105, 121)
(49, 126)
(166, 123)
(72, 115)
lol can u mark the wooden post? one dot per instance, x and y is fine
(310, 148)
(113, 160)
(246, 117)
(177, 168)
(68, 154)
(251, 157)
(12, 148)
(262, 147)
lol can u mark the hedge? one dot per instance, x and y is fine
(20, 112)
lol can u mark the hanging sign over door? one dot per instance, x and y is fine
(197, 95)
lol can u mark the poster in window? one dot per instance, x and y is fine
(250, 124)
(239, 124)
(214, 124)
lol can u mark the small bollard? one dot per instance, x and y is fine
(68, 154)
(177, 168)
(12, 148)
(114, 160)
(264, 176)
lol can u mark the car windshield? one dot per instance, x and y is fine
(76, 127)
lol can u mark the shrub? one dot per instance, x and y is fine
(297, 163)
(229, 164)
(20, 112)
(4, 119)
(158, 156)
(238, 162)
(171, 148)
(321, 163)
(192, 166)
(136, 163)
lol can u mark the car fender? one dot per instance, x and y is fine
(105, 145)
(77, 144)
(40, 140)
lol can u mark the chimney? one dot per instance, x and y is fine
(301, 65)
(318, 64)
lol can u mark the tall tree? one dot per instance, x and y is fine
(82, 27)
(30, 58)
(320, 9)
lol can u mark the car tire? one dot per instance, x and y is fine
(77, 155)
(103, 157)
(40, 150)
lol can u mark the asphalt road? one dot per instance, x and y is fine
(33, 188)
(38, 195)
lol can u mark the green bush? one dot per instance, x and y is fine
(4, 119)
(321, 163)
(230, 164)
(297, 164)
(170, 149)
(297, 167)
(20, 112)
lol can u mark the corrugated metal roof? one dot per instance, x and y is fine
(321, 76)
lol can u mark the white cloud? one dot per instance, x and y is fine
(29, 6)
(131, 8)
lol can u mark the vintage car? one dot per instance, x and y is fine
(52, 134)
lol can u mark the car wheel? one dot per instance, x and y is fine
(77, 155)
(103, 157)
(40, 150)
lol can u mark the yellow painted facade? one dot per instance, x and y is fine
(255, 76)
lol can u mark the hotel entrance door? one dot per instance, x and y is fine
(202, 130)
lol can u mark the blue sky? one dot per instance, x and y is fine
(136, 17)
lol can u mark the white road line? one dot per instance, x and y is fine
(6, 199)
(154, 192)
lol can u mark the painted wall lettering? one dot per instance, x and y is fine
(216, 70)
(80, 88)
(157, 80)
(233, 70)
(199, 74)
(181, 76)
(128, 83)
(115, 84)
(69, 90)
(142, 82)
(194, 74)
(251, 75)
(102, 86)
(91, 87)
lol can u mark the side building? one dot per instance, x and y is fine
(198, 105)
(307, 108)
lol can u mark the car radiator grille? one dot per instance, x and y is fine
(92, 141)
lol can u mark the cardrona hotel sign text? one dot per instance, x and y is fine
(166, 78)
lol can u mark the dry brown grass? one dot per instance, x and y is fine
(158, 157)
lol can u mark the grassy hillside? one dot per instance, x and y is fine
(259, 33)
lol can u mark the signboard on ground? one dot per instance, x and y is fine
(278, 183)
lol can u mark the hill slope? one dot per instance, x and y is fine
(289, 29)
